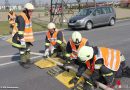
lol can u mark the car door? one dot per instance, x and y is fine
(106, 16)
(97, 17)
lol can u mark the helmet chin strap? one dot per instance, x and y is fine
(52, 31)
(77, 42)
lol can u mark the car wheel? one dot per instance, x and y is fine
(89, 25)
(112, 22)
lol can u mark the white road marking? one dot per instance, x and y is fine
(34, 53)
(13, 62)
(8, 56)
(3, 64)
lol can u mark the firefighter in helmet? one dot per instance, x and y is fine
(54, 41)
(24, 38)
(106, 64)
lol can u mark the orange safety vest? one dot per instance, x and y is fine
(12, 18)
(74, 53)
(28, 33)
(52, 38)
(111, 58)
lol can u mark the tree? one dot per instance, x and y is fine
(78, 4)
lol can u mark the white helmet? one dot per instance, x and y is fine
(85, 53)
(76, 37)
(51, 26)
(29, 6)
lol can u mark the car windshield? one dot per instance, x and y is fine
(85, 12)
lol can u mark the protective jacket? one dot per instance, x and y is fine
(72, 49)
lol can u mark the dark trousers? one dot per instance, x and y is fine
(110, 79)
(120, 72)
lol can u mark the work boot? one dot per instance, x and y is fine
(24, 65)
(23, 61)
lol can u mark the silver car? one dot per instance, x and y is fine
(89, 17)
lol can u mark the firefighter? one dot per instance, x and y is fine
(24, 37)
(11, 19)
(107, 64)
(54, 41)
(73, 45)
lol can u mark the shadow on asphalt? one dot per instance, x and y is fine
(41, 51)
(15, 58)
(82, 29)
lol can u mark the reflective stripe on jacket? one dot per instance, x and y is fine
(28, 33)
(111, 58)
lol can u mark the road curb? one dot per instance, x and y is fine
(120, 20)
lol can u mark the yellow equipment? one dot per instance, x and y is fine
(63, 76)
(47, 63)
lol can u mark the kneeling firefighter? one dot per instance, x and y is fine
(24, 37)
(54, 42)
(107, 63)
(73, 45)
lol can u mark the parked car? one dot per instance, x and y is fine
(89, 17)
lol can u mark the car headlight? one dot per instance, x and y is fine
(80, 21)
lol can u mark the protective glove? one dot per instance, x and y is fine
(51, 49)
(74, 80)
(46, 54)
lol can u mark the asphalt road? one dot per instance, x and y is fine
(12, 75)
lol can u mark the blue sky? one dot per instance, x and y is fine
(44, 1)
